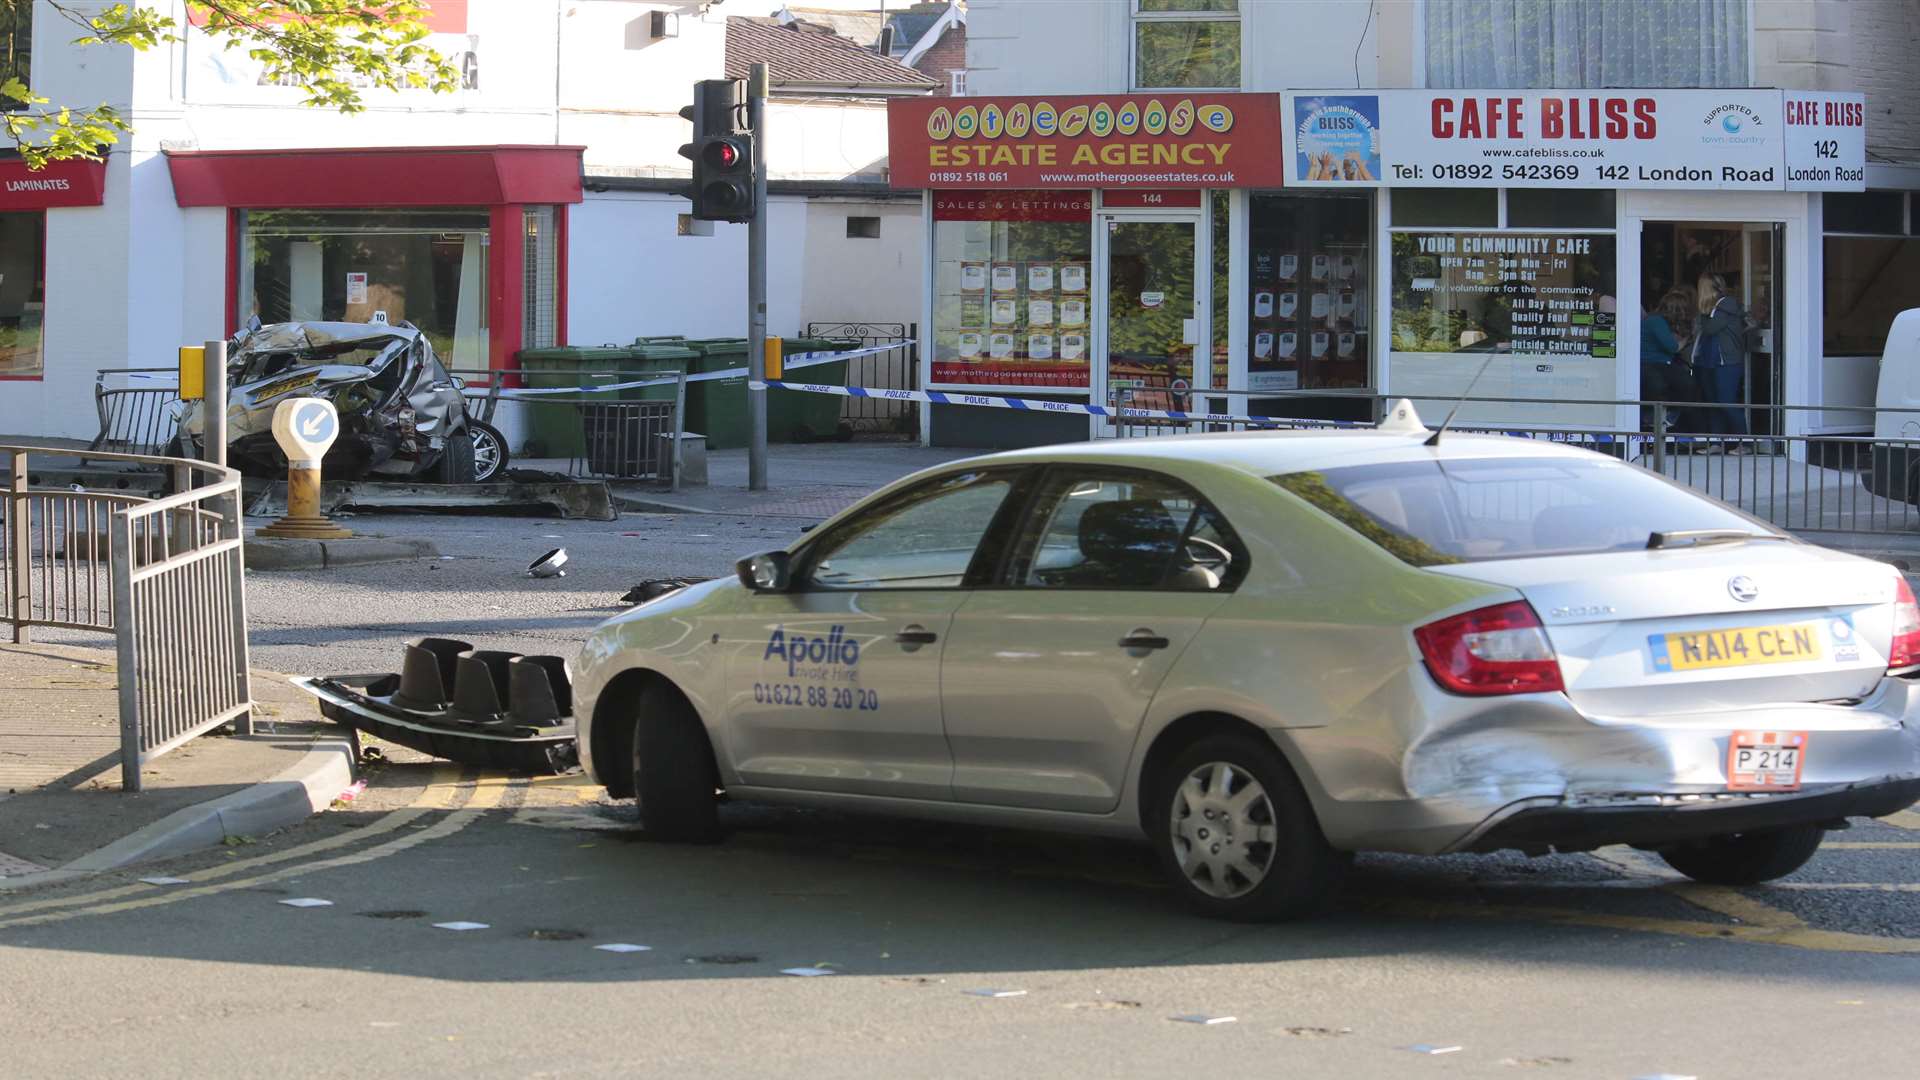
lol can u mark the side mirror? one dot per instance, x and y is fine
(765, 572)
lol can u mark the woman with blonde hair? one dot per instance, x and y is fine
(1720, 358)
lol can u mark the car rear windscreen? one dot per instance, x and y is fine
(1433, 512)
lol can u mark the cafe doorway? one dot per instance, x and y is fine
(1678, 259)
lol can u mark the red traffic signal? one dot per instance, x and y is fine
(722, 154)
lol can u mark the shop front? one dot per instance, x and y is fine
(466, 243)
(26, 198)
(1307, 253)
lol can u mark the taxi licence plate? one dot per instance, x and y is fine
(1765, 760)
(1695, 650)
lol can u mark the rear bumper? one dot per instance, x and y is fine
(1536, 825)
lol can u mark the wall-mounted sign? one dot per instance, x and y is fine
(1683, 140)
(60, 183)
(1165, 140)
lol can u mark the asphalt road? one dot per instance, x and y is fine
(1603, 966)
(1576, 966)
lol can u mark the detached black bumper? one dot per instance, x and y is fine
(1583, 828)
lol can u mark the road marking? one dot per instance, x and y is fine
(1799, 937)
(1859, 886)
(487, 793)
(1735, 904)
(1905, 819)
(1870, 845)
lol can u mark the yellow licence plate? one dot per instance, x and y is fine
(1695, 650)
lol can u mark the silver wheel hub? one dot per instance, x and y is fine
(1223, 830)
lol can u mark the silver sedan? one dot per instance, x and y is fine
(1263, 652)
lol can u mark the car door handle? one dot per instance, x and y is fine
(916, 636)
(1144, 639)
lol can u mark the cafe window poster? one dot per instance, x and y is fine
(1010, 281)
(1543, 306)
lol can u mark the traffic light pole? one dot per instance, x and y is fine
(757, 86)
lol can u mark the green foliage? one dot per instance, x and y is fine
(331, 49)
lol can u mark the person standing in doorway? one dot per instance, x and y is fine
(1720, 359)
(1658, 351)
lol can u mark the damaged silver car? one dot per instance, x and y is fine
(402, 415)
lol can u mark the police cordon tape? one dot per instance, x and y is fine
(792, 363)
(1127, 412)
(797, 360)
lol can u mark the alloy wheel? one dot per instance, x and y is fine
(1223, 830)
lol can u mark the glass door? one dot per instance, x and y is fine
(1761, 295)
(1151, 322)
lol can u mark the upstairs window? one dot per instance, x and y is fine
(1186, 44)
(1585, 44)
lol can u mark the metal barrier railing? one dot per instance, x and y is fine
(621, 438)
(1843, 484)
(895, 369)
(139, 417)
(165, 576)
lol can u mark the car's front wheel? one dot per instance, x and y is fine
(675, 782)
(1237, 836)
(490, 455)
(1746, 858)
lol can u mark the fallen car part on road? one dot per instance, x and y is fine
(474, 706)
(654, 588)
(552, 564)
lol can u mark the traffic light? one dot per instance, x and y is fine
(721, 152)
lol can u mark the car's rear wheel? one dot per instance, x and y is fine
(675, 782)
(1237, 836)
(1746, 858)
(456, 460)
(489, 453)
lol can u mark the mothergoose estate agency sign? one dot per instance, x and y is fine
(1158, 140)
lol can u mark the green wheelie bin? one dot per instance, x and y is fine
(554, 429)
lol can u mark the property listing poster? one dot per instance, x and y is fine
(1011, 301)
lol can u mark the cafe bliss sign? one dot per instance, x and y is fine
(1684, 140)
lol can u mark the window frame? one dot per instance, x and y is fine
(1136, 16)
(1021, 547)
(988, 555)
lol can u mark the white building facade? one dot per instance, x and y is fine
(536, 205)
(1256, 199)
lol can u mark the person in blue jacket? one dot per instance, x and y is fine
(1720, 358)
(1658, 351)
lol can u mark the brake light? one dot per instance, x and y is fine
(1501, 649)
(1906, 630)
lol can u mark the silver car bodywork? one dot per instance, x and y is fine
(1024, 713)
(397, 403)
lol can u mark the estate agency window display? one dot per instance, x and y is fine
(1012, 273)
(1309, 313)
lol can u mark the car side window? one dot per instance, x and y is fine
(1127, 530)
(925, 539)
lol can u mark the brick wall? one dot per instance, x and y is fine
(948, 55)
(1869, 46)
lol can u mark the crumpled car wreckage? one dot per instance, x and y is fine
(402, 415)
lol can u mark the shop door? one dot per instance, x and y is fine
(1760, 286)
(1151, 321)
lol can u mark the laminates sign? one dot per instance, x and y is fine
(1685, 140)
(61, 183)
(1170, 140)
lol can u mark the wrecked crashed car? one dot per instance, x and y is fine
(402, 416)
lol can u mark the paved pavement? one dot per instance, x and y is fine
(808, 480)
(1576, 966)
(60, 796)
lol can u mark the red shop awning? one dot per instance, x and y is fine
(61, 183)
(381, 176)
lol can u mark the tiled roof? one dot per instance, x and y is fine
(799, 58)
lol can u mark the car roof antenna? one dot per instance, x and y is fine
(1434, 439)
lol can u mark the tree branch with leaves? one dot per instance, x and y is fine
(330, 49)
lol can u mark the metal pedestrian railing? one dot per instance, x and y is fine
(165, 576)
(894, 369)
(621, 437)
(1810, 484)
(138, 408)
